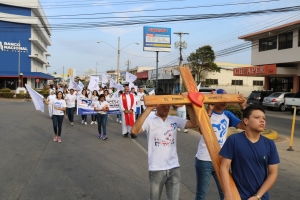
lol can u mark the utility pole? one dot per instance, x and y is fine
(180, 45)
(63, 73)
(128, 64)
(118, 69)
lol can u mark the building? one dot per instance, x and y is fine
(24, 37)
(90, 72)
(275, 56)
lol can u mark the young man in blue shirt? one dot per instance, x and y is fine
(252, 157)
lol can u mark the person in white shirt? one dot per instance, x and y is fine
(161, 130)
(83, 96)
(102, 107)
(94, 97)
(181, 112)
(119, 116)
(71, 99)
(127, 105)
(59, 88)
(59, 106)
(49, 98)
(140, 96)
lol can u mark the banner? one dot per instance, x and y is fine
(130, 77)
(104, 78)
(37, 98)
(80, 84)
(113, 84)
(94, 83)
(86, 106)
(73, 85)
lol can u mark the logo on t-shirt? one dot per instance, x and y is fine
(58, 104)
(173, 126)
(167, 138)
(221, 129)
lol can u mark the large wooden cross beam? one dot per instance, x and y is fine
(197, 100)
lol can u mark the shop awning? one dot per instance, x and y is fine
(27, 75)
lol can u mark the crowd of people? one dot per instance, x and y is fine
(251, 158)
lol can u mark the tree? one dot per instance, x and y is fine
(203, 60)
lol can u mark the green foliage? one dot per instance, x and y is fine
(23, 96)
(235, 109)
(5, 90)
(6, 95)
(203, 60)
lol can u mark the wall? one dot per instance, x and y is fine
(15, 10)
(275, 55)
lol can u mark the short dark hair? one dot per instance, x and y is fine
(101, 95)
(62, 95)
(248, 111)
(120, 92)
(71, 89)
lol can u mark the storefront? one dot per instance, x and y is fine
(142, 78)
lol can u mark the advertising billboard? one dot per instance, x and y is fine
(157, 39)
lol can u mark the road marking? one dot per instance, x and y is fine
(140, 146)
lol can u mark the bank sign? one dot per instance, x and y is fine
(157, 39)
(12, 46)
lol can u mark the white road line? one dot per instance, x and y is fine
(140, 146)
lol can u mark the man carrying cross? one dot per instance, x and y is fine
(161, 130)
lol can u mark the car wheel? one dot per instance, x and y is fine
(270, 108)
(282, 107)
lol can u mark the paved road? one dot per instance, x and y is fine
(84, 167)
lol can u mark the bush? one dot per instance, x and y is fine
(5, 90)
(6, 95)
(235, 109)
(23, 96)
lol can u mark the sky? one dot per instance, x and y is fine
(74, 38)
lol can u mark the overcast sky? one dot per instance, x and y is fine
(77, 47)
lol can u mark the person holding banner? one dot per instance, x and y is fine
(102, 107)
(59, 106)
(127, 105)
(83, 96)
(52, 96)
(71, 102)
(119, 116)
(140, 96)
(94, 97)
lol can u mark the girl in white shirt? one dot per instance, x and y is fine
(102, 107)
(83, 96)
(59, 106)
(94, 97)
(49, 98)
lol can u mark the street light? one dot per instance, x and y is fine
(118, 66)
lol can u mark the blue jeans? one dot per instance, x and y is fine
(102, 119)
(204, 169)
(84, 117)
(170, 178)
(57, 121)
(70, 113)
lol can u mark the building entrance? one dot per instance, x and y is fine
(284, 84)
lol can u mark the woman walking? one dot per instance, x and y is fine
(59, 106)
(101, 108)
(83, 96)
(94, 97)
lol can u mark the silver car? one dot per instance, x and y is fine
(276, 100)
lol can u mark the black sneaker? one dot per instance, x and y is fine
(125, 135)
(133, 136)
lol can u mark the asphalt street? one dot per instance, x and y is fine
(32, 166)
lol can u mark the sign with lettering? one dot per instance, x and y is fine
(255, 70)
(157, 39)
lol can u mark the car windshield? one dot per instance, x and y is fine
(254, 95)
(276, 94)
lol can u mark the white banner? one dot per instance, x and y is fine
(86, 106)
(130, 77)
(37, 98)
(94, 83)
(73, 85)
(104, 78)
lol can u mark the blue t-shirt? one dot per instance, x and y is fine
(249, 162)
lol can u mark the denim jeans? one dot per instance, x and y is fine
(204, 169)
(84, 117)
(93, 118)
(102, 119)
(170, 178)
(70, 113)
(57, 121)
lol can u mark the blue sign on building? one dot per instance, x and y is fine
(157, 39)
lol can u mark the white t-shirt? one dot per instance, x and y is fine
(182, 108)
(94, 98)
(141, 97)
(100, 105)
(220, 123)
(58, 103)
(70, 99)
(51, 97)
(162, 138)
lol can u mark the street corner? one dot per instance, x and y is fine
(268, 133)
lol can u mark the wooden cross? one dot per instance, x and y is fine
(197, 100)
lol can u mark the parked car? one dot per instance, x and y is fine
(257, 96)
(289, 102)
(206, 90)
(276, 100)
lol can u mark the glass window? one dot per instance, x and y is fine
(269, 43)
(286, 40)
(258, 83)
(236, 82)
(276, 94)
(211, 81)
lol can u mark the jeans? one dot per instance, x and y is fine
(84, 117)
(170, 178)
(70, 113)
(102, 119)
(141, 112)
(204, 169)
(93, 118)
(57, 123)
(181, 114)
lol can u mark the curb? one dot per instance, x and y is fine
(268, 133)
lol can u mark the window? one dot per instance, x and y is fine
(237, 82)
(286, 40)
(269, 43)
(258, 83)
(211, 81)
